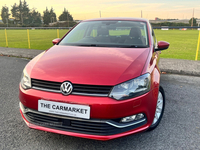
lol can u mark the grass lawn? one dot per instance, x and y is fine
(183, 44)
(39, 39)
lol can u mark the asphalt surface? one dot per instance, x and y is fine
(175, 66)
(179, 128)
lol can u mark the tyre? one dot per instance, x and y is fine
(159, 109)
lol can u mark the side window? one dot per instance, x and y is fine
(154, 39)
(144, 34)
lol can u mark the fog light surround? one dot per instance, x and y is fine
(132, 118)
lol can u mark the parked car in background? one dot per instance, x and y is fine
(100, 81)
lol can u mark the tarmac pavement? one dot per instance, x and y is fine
(174, 66)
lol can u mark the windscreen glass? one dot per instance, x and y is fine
(108, 34)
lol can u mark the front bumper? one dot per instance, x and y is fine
(93, 128)
(84, 126)
(104, 119)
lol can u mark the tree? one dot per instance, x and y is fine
(34, 18)
(5, 14)
(66, 16)
(53, 16)
(49, 16)
(21, 12)
(46, 16)
(15, 14)
(194, 21)
(25, 13)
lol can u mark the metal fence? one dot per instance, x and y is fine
(32, 38)
(46, 28)
(24, 28)
(40, 38)
(177, 27)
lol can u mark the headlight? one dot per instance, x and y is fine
(25, 80)
(131, 88)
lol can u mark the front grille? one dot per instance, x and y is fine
(78, 89)
(92, 126)
(71, 125)
(46, 84)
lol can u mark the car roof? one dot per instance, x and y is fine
(117, 19)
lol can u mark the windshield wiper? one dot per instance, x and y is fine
(90, 45)
(134, 46)
(106, 45)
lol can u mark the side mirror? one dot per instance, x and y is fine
(162, 45)
(55, 41)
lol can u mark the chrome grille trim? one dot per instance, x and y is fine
(101, 95)
(118, 125)
(48, 90)
(75, 93)
(78, 89)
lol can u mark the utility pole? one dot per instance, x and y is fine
(192, 18)
(100, 14)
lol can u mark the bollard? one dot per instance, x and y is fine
(197, 47)
(58, 33)
(29, 45)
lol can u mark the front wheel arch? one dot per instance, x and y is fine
(154, 125)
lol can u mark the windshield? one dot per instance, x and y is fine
(108, 34)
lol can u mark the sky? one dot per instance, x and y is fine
(87, 9)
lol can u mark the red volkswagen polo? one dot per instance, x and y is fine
(100, 81)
